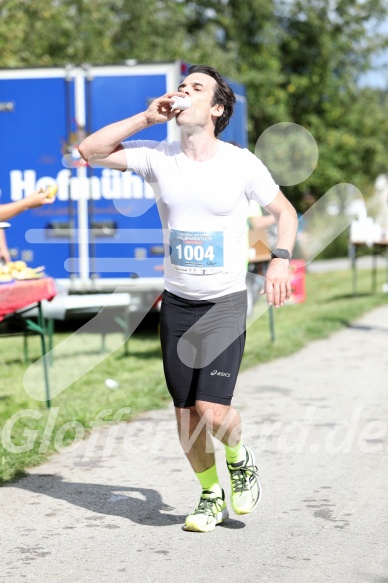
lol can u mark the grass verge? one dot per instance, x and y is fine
(29, 435)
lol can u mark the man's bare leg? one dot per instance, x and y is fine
(195, 427)
(197, 424)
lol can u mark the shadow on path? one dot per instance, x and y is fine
(141, 505)
(365, 327)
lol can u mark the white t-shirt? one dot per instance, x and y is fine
(203, 208)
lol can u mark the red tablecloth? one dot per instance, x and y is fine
(20, 294)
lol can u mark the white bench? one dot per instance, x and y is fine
(63, 306)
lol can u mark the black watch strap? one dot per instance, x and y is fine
(280, 254)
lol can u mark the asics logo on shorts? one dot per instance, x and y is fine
(220, 374)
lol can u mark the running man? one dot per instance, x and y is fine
(203, 187)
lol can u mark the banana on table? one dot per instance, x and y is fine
(19, 270)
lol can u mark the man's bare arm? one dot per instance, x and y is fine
(277, 280)
(103, 148)
(286, 220)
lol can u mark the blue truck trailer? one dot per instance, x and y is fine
(103, 232)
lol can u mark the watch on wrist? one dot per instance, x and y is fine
(280, 254)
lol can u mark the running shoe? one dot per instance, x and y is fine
(245, 486)
(210, 511)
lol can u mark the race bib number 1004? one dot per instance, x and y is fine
(197, 252)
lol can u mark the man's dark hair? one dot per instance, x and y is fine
(223, 95)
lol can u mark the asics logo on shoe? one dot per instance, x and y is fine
(219, 373)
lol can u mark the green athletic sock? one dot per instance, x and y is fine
(235, 453)
(209, 480)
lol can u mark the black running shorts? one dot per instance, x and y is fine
(202, 345)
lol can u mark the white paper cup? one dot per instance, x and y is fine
(181, 103)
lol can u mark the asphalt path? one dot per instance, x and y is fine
(111, 508)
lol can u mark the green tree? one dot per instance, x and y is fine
(325, 47)
(47, 33)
